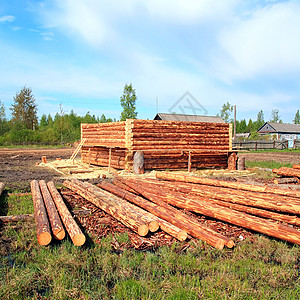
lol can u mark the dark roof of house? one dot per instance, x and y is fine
(188, 118)
(280, 127)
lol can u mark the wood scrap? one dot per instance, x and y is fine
(285, 180)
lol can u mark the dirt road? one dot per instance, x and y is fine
(18, 166)
(284, 157)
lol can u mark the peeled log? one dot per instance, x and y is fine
(226, 184)
(225, 214)
(188, 190)
(296, 166)
(75, 233)
(287, 172)
(42, 225)
(160, 212)
(114, 206)
(260, 200)
(2, 185)
(55, 222)
(192, 227)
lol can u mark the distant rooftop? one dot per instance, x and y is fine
(280, 127)
(188, 118)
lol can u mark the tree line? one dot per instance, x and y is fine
(242, 126)
(25, 128)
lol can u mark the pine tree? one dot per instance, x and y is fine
(297, 117)
(24, 109)
(128, 100)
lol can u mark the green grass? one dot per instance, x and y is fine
(265, 269)
(267, 164)
(34, 146)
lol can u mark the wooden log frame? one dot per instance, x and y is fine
(75, 233)
(224, 214)
(2, 186)
(173, 230)
(126, 213)
(135, 135)
(259, 200)
(181, 220)
(55, 222)
(42, 225)
(287, 172)
(212, 194)
(226, 184)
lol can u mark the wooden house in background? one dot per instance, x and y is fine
(282, 131)
(188, 118)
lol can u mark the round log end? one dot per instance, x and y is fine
(230, 244)
(79, 239)
(59, 234)
(219, 245)
(182, 236)
(143, 230)
(44, 238)
(153, 226)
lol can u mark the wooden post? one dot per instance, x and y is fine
(190, 162)
(241, 163)
(274, 144)
(44, 159)
(109, 160)
(232, 161)
(255, 145)
(230, 137)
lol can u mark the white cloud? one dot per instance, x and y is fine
(7, 19)
(266, 43)
(190, 11)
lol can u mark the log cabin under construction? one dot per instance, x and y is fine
(165, 144)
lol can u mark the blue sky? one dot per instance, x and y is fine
(81, 53)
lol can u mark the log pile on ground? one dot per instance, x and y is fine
(165, 144)
(137, 202)
(287, 175)
(49, 209)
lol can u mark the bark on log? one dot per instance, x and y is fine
(192, 227)
(286, 180)
(55, 222)
(116, 207)
(75, 233)
(2, 185)
(260, 200)
(287, 172)
(188, 190)
(225, 214)
(40, 215)
(232, 161)
(226, 184)
(163, 217)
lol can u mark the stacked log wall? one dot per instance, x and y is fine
(166, 144)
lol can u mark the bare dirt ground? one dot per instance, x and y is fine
(18, 166)
(284, 157)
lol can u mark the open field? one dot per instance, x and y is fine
(258, 267)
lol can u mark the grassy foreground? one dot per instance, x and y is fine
(264, 269)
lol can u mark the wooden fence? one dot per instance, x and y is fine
(264, 145)
(165, 144)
